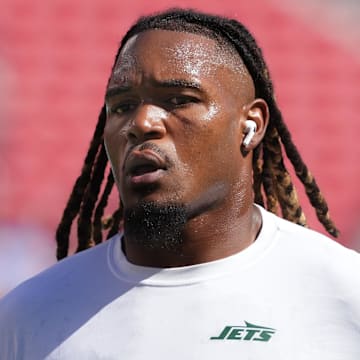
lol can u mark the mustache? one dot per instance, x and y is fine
(149, 146)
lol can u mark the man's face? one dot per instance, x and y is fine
(174, 105)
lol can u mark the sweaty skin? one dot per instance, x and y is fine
(176, 109)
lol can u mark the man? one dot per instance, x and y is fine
(192, 132)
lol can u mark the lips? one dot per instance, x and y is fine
(144, 167)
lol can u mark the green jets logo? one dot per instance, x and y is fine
(250, 332)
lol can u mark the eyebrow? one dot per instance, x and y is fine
(171, 83)
(116, 90)
(178, 83)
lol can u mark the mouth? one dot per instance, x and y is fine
(144, 167)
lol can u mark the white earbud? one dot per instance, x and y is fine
(250, 131)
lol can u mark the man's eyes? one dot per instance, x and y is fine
(123, 108)
(175, 101)
(182, 100)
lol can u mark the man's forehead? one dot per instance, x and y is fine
(193, 54)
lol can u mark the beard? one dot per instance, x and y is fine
(155, 226)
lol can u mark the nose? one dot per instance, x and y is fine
(148, 123)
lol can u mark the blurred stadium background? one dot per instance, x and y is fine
(55, 58)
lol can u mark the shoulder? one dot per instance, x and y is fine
(60, 276)
(50, 297)
(317, 253)
(304, 239)
(321, 268)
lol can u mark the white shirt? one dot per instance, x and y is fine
(292, 294)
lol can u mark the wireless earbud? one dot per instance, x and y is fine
(250, 131)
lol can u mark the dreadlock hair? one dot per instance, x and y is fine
(271, 179)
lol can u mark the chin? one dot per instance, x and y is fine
(155, 224)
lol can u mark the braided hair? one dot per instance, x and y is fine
(272, 183)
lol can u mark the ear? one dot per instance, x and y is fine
(258, 112)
